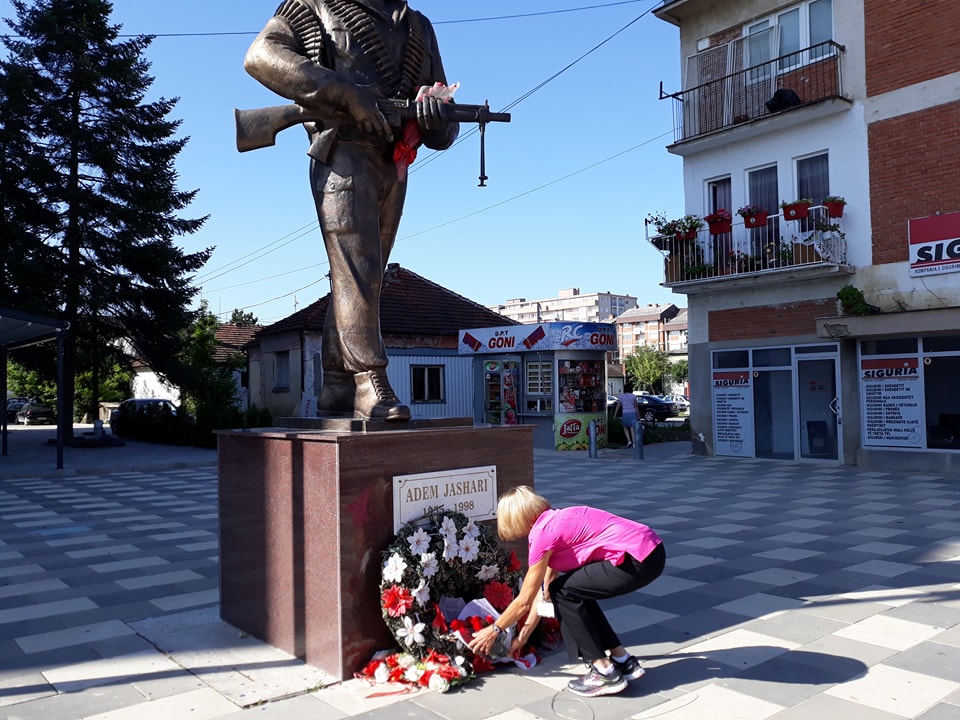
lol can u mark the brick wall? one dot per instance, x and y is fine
(914, 171)
(909, 42)
(769, 321)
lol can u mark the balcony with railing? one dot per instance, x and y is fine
(736, 83)
(774, 248)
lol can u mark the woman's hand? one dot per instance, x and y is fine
(483, 640)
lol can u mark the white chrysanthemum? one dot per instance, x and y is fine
(382, 673)
(411, 632)
(413, 674)
(487, 572)
(451, 550)
(471, 529)
(406, 660)
(448, 528)
(419, 542)
(469, 549)
(422, 593)
(429, 564)
(393, 570)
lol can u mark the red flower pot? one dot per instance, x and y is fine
(688, 235)
(834, 209)
(721, 226)
(797, 211)
(755, 221)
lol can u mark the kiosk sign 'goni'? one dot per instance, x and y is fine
(545, 336)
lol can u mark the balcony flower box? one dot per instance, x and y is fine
(685, 228)
(796, 210)
(753, 216)
(719, 222)
(834, 205)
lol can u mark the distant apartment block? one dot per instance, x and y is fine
(662, 327)
(569, 306)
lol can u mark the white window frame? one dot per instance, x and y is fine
(803, 40)
(421, 392)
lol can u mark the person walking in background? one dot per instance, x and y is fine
(577, 556)
(627, 403)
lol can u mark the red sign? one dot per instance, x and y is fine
(934, 244)
(571, 428)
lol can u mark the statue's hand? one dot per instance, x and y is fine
(430, 115)
(362, 105)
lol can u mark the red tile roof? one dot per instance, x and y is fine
(409, 305)
(232, 338)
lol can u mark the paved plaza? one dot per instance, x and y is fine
(792, 592)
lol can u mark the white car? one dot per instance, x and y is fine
(681, 401)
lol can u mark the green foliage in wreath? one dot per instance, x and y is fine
(444, 555)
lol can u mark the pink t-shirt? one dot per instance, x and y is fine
(579, 535)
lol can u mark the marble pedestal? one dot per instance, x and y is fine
(305, 514)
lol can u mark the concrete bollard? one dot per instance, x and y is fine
(638, 438)
(592, 438)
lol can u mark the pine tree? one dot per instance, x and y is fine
(101, 195)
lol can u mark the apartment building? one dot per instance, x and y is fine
(662, 327)
(818, 101)
(570, 305)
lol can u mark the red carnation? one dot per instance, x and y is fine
(498, 594)
(476, 623)
(370, 668)
(397, 600)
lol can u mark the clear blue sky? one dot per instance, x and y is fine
(570, 178)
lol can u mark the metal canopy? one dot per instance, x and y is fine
(18, 330)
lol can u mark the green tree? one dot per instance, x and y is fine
(101, 197)
(239, 317)
(646, 368)
(209, 390)
(679, 371)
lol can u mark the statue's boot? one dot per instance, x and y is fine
(375, 399)
(336, 394)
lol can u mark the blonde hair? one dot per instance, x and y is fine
(517, 511)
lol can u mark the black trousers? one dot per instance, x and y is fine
(586, 631)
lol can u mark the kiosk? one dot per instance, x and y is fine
(550, 375)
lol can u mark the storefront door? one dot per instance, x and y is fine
(818, 408)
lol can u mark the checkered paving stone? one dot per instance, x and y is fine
(792, 590)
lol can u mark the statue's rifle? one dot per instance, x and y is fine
(258, 128)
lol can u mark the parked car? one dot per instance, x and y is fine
(14, 404)
(681, 401)
(653, 409)
(612, 401)
(141, 417)
(34, 413)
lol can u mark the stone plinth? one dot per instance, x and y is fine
(305, 515)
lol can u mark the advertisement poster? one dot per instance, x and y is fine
(892, 399)
(571, 433)
(934, 244)
(733, 413)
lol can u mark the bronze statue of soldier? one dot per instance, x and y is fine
(336, 59)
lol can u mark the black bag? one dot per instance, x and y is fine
(783, 99)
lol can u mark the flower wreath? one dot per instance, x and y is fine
(437, 562)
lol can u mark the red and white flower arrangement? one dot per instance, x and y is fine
(433, 568)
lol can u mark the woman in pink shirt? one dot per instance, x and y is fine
(577, 556)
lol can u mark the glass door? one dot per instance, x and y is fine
(818, 408)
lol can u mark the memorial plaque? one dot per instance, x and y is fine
(470, 491)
